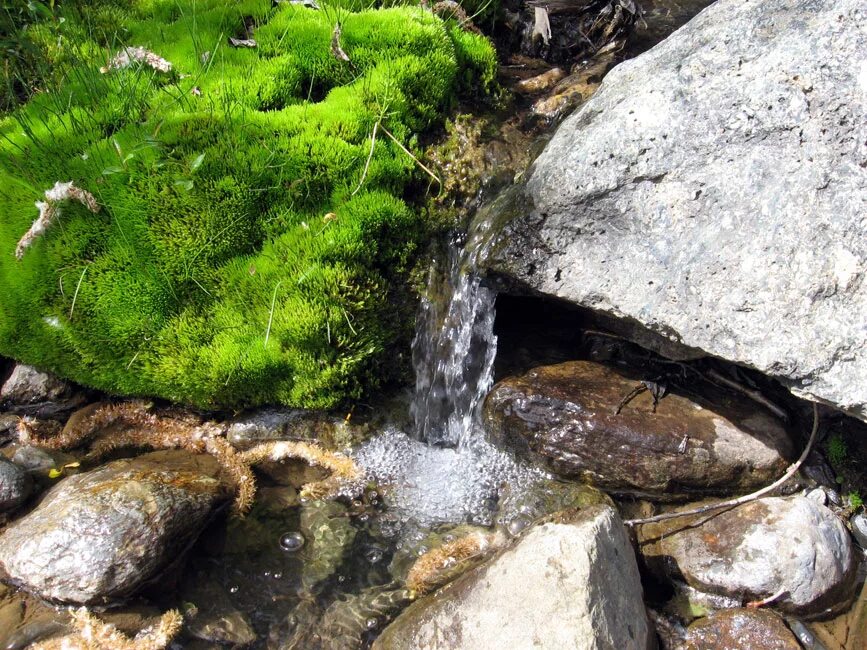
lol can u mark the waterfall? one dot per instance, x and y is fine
(453, 352)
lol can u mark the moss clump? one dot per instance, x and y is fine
(250, 248)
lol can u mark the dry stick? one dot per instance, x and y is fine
(409, 153)
(369, 156)
(747, 497)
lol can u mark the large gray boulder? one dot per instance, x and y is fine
(571, 582)
(98, 537)
(714, 192)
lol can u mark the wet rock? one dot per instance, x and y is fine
(268, 424)
(571, 582)
(518, 509)
(99, 536)
(33, 392)
(792, 552)
(859, 529)
(8, 427)
(217, 620)
(565, 416)
(712, 192)
(328, 535)
(849, 630)
(740, 629)
(541, 82)
(15, 485)
(41, 464)
(575, 89)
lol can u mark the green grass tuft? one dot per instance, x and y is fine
(242, 255)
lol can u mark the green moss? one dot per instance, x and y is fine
(247, 251)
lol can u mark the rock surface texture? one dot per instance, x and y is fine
(565, 415)
(714, 192)
(31, 391)
(740, 629)
(15, 485)
(571, 582)
(792, 551)
(98, 537)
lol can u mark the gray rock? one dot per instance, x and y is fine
(713, 192)
(15, 485)
(571, 582)
(565, 415)
(97, 537)
(859, 529)
(38, 393)
(792, 551)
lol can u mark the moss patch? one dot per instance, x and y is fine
(250, 248)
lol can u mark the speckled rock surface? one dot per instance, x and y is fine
(564, 416)
(791, 549)
(740, 629)
(568, 583)
(15, 485)
(97, 537)
(714, 192)
(33, 392)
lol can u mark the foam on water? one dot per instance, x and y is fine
(447, 472)
(424, 486)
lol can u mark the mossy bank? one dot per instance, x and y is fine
(259, 209)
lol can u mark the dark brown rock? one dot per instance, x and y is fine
(98, 537)
(564, 415)
(740, 629)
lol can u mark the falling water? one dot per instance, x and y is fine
(448, 472)
(453, 353)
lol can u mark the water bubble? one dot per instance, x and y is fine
(292, 541)
(278, 576)
(516, 525)
(373, 554)
(341, 578)
(371, 623)
(233, 589)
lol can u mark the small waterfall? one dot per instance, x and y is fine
(448, 472)
(453, 352)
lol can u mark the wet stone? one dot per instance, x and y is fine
(565, 417)
(99, 536)
(792, 552)
(15, 485)
(217, 620)
(569, 582)
(33, 392)
(859, 529)
(740, 629)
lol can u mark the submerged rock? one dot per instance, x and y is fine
(33, 392)
(99, 536)
(571, 582)
(740, 629)
(712, 192)
(217, 620)
(566, 416)
(792, 552)
(15, 485)
(328, 535)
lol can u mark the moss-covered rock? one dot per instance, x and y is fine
(253, 240)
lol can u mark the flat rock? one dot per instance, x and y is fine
(15, 485)
(571, 582)
(564, 415)
(713, 193)
(98, 537)
(792, 551)
(740, 629)
(33, 392)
